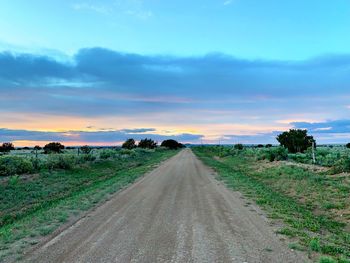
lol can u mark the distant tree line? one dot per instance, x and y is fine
(294, 140)
(151, 144)
(6, 147)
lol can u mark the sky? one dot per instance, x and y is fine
(202, 71)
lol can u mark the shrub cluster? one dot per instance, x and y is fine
(273, 154)
(11, 165)
(53, 147)
(147, 143)
(6, 147)
(172, 144)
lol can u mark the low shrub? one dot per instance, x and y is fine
(88, 157)
(61, 161)
(300, 157)
(238, 146)
(274, 154)
(342, 165)
(106, 154)
(127, 153)
(86, 149)
(11, 165)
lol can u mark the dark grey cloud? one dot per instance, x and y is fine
(141, 130)
(333, 126)
(98, 81)
(28, 67)
(92, 137)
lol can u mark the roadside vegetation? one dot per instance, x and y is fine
(311, 199)
(41, 189)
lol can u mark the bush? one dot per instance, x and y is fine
(268, 145)
(11, 165)
(295, 140)
(300, 158)
(347, 145)
(260, 146)
(53, 147)
(238, 146)
(141, 151)
(275, 154)
(64, 161)
(85, 149)
(129, 144)
(342, 165)
(106, 154)
(88, 157)
(147, 143)
(127, 153)
(171, 144)
(6, 147)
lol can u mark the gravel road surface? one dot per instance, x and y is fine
(177, 213)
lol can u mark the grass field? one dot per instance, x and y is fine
(35, 205)
(312, 201)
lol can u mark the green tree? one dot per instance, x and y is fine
(6, 147)
(147, 143)
(238, 146)
(85, 149)
(53, 147)
(172, 144)
(129, 144)
(347, 145)
(296, 140)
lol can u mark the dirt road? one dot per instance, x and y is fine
(177, 213)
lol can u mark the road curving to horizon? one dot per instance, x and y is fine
(177, 213)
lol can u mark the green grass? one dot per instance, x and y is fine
(303, 199)
(36, 207)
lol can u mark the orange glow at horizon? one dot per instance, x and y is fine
(160, 122)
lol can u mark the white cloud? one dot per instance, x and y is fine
(133, 8)
(95, 8)
(228, 2)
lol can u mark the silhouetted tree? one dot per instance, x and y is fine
(238, 146)
(53, 147)
(347, 145)
(147, 143)
(129, 144)
(6, 147)
(85, 149)
(172, 144)
(295, 140)
(268, 145)
(37, 147)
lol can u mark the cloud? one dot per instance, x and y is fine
(228, 2)
(132, 8)
(334, 126)
(95, 8)
(210, 89)
(93, 137)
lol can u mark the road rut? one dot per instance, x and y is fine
(176, 213)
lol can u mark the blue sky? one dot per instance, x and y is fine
(230, 71)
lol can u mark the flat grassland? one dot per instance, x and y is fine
(311, 202)
(35, 205)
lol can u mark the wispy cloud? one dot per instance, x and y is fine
(102, 9)
(228, 2)
(214, 90)
(92, 137)
(133, 8)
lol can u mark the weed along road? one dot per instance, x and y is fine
(177, 213)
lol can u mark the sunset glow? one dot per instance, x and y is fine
(132, 75)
